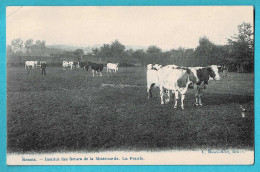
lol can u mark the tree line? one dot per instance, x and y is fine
(237, 54)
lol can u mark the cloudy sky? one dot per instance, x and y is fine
(167, 27)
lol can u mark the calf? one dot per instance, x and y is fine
(177, 81)
(204, 74)
(96, 68)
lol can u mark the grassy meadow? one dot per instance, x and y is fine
(72, 111)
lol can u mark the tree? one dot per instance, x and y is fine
(28, 45)
(204, 53)
(9, 51)
(153, 49)
(117, 49)
(79, 54)
(17, 45)
(105, 51)
(242, 45)
(40, 46)
(95, 51)
(139, 54)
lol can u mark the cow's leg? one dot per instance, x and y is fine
(162, 94)
(182, 100)
(100, 74)
(176, 95)
(93, 72)
(168, 96)
(149, 91)
(199, 95)
(197, 99)
(196, 88)
(200, 99)
(182, 92)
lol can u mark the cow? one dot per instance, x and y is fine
(95, 67)
(30, 64)
(70, 64)
(76, 65)
(204, 74)
(177, 81)
(83, 65)
(152, 78)
(41, 62)
(112, 67)
(66, 64)
(37, 64)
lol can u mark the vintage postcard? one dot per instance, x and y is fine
(130, 85)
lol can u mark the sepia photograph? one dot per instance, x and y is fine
(130, 85)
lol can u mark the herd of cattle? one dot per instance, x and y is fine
(175, 79)
(169, 79)
(95, 67)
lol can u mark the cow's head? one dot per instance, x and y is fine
(192, 75)
(213, 72)
(149, 67)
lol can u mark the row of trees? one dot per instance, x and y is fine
(18, 47)
(238, 51)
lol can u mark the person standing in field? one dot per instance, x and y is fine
(225, 71)
(43, 67)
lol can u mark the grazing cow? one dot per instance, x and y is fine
(83, 65)
(112, 67)
(30, 64)
(204, 74)
(177, 81)
(152, 78)
(95, 67)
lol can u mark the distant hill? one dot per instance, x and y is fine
(65, 47)
(88, 47)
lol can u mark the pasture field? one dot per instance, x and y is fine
(72, 111)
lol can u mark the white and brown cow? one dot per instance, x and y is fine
(67, 64)
(70, 64)
(204, 74)
(177, 81)
(152, 78)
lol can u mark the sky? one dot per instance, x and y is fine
(167, 27)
